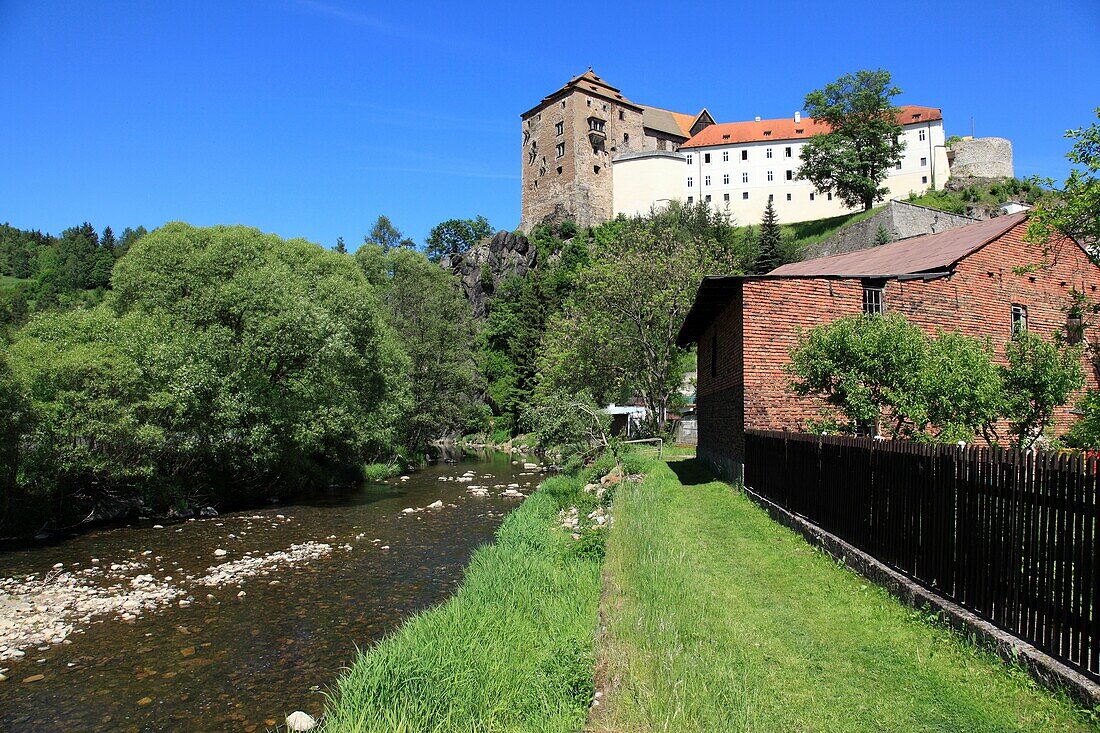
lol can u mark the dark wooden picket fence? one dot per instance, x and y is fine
(1011, 536)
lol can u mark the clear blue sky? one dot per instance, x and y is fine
(312, 117)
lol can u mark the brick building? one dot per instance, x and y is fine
(966, 279)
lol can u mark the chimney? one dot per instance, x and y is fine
(798, 117)
(758, 118)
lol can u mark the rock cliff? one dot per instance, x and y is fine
(483, 268)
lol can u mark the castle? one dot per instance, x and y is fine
(589, 154)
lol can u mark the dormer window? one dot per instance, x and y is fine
(767, 133)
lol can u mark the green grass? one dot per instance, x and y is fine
(719, 619)
(8, 282)
(805, 233)
(512, 650)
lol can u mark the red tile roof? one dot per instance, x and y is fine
(924, 254)
(732, 133)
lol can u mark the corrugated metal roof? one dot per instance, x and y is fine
(732, 133)
(926, 253)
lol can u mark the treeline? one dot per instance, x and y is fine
(225, 366)
(40, 272)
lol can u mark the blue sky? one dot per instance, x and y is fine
(309, 118)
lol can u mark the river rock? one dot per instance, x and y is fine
(208, 511)
(220, 552)
(437, 504)
(299, 721)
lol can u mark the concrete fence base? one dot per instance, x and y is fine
(1047, 670)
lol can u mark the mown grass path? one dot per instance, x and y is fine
(718, 619)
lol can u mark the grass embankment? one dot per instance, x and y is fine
(512, 650)
(719, 619)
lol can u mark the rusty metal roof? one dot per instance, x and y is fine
(922, 254)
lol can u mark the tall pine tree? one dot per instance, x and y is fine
(769, 252)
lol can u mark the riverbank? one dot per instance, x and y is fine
(719, 619)
(514, 648)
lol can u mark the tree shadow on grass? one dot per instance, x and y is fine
(692, 471)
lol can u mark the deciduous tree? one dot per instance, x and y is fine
(455, 236)
(863, 142)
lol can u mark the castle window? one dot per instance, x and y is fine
(726, 197)
(559, 128)
(924, 179)
(1019, 319)
(830, 195)
(689, 158)
(560, 149)
(589, 101)
(559, 170)
(920, 135)
(563, 104)
(897, 166)
(771, 176)
(872, 300)
(768, 153)
(923, 162)
(706, 157)
(691, 181)
(596, 169)
(745, 177)
(745, 195)
(691, 199)
(595, 124)
(787, 152)
(526, 136)
(707, 198)
(725, 156)
(771, 197)
(706, 181)
(790, 175)
(788, 197)
(626, 137)
(812, 195)
(725, 179)
(622, 115)
(744, 155)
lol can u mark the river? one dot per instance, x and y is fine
(237, 619)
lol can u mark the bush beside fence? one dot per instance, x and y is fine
(1009, 535)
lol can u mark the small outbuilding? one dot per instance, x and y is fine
(983, 279)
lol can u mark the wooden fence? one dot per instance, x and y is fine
(1011, 536)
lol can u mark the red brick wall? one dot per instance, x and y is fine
(976, 299)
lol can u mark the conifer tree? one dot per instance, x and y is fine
(769, 253)
(340, 246)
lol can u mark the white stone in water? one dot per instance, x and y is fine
(158, 526)
(58, 566)
(437, 504)
(220, 552)
(408, 510)
(242, 594)
(299, 721)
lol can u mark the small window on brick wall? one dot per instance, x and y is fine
(714, 355)
(1019, 319)
(873, 304)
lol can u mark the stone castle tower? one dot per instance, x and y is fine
(569, 141)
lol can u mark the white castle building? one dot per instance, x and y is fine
(735, 167)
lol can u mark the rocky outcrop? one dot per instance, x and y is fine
(483, 268)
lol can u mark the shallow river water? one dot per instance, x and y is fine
(243, 651)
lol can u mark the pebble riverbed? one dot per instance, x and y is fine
(231, 622)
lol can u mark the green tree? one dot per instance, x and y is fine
(1039, 378)
(863, 142)
(455, 236)
(882, 235)
(617, 335)
(869, 368)
(386, 235)
(425, 307)
(962, 388)
(1076, 212)
(341, 248)
(769, 248)
(14, 421)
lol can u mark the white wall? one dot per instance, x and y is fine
(922, 161)
(642, 180)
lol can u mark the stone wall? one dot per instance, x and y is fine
(982, 157)
(482, 269)
(900, 219)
